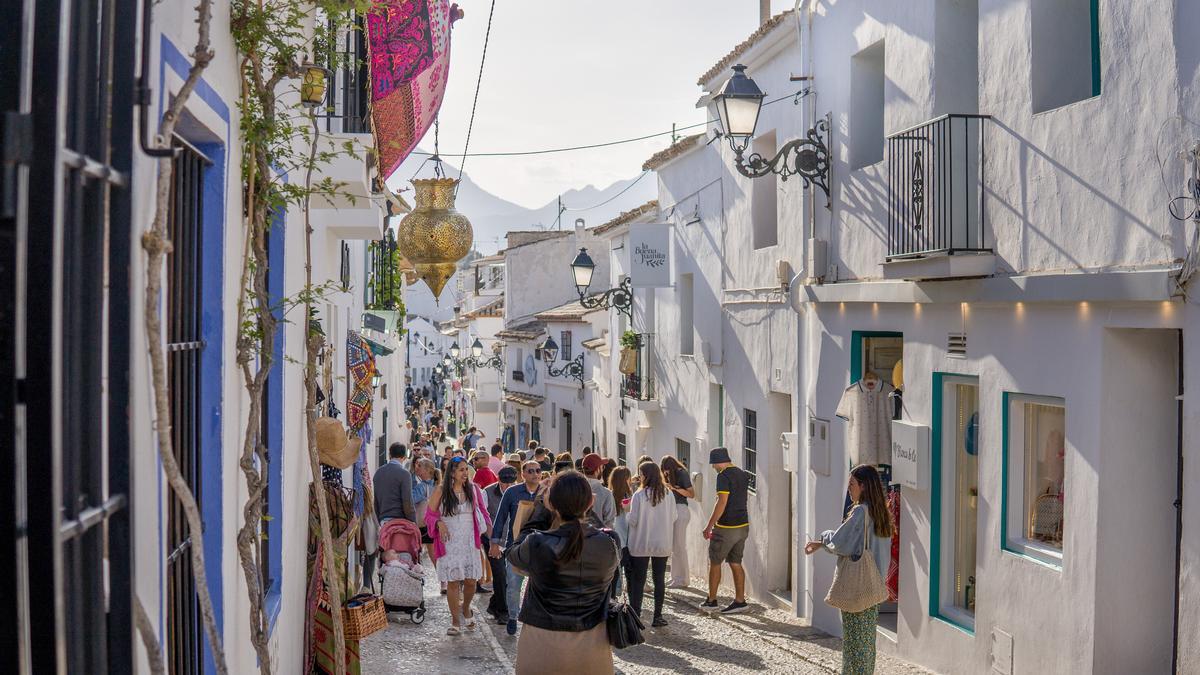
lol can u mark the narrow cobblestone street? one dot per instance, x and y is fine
(761, 640)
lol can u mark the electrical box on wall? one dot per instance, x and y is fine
(818, 446)
(788, 442)
(818, 258)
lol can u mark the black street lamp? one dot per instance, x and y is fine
(550, 355)
(738, 104)
(477, 361)
(620, 298)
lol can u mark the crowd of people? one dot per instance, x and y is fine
(582, 532)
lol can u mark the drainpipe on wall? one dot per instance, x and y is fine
(816, 259)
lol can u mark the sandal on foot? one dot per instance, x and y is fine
(453, 630)
(470, 621)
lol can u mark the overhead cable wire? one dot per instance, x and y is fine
(521, 153)
(478, 84)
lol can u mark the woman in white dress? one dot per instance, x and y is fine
(460, 517)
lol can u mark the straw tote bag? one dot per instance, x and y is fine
(857, 585)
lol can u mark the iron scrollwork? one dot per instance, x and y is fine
(806, 157)
(620, 298)
(491, 362)
(918, 190)
(572, 369)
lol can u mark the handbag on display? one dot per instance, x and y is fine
(857, 585)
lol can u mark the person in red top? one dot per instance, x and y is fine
(484, 476)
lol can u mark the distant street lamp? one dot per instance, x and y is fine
(550, 355)
(454, 351)
(376, 379)
(738, 105)
(620, 298)
(476, 348)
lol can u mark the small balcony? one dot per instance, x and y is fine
(936, 217)
(637, 369)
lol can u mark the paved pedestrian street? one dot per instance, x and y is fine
(760, 640)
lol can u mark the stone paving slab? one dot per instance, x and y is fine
(760, 640)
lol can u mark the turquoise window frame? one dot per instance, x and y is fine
(1095, 18)
(935, 503)
(1006, 399)
(856, 356)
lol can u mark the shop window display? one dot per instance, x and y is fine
(1036, 462)
(959, 499)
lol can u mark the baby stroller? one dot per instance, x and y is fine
(401, 578)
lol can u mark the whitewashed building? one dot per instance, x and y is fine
(999, 243)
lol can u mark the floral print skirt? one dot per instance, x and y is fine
(858, 641)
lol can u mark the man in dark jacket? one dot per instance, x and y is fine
(393, 487)
(498, 604)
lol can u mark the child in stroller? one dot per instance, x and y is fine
(401, 576)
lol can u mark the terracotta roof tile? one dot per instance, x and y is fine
(627, 217)
(527, 400)
(676, 149)
(570, 311)
(525, 332)
(729, 59)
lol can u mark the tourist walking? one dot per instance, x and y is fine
(458, 515)
(727, 530)
(496, 460)
(680, 484)
(498, 604)
(651, 521)
(394, 488)
(570, 570)
(603, 510)
(424, 483)
(854, 588)
(619, 485)
(484, 476)
(503, 534)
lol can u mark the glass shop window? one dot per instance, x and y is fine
(959, 500)
(1036, 472)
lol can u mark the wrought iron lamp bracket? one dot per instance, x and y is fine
(619, 298)
(573, 369)
(492, 362)
(807, 157)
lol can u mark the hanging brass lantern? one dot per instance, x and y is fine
(434, 237)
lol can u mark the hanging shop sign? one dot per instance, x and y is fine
(910, 454)
(650, 255)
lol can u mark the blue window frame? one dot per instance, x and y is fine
(954, 500)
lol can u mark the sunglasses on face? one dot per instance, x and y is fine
(532, 470)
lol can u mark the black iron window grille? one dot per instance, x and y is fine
(935, 188)
(750, 447)
(185, 346)
(384, 287)
(349, 83)
(345, 271)
(622, 448)
(639, 385)
(66, 116)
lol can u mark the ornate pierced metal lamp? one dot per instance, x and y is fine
(434, 236)
(738, 104)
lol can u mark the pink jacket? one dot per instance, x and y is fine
(433, 515)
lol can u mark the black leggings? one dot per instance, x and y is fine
(637, 581)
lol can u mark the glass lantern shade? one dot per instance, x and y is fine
(477, 348)
(376, 379)
(582, 268)
(446, 362)
(549, 350)
(312, 88)
(454, 351)
(738, 104)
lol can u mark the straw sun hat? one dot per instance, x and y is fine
(335, 447)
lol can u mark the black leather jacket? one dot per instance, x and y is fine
(571, 596)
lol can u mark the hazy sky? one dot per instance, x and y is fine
(574, 72)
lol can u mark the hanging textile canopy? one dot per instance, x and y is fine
(409, 50)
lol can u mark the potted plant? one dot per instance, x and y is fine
(629, 352)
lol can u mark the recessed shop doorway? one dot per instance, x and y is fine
(1139, 472)
(780, 542)
(881, 353)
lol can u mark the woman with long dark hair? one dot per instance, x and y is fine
(867, 520)
(680, 484)
(570, 570)
(651, 523)
(619, 484)
(458, 514)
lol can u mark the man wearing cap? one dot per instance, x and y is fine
(604, 507)
(498, 604)
(502, 531)
(727, 531)
(484, 476)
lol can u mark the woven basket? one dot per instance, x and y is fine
(364, 619)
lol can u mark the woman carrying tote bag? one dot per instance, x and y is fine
(857, 588)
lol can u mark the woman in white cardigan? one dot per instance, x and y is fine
(651, 524)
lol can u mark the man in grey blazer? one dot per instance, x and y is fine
(394, 487)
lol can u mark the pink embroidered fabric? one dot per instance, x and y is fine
(408, 44)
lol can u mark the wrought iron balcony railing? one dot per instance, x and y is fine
(639, 385)
(935, 187)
